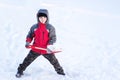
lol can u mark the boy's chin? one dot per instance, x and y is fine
(43, 22)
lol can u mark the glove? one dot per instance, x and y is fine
(27, 44)
(50, 48)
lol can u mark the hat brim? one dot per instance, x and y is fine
(42, 15)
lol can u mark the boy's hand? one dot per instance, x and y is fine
(50, 48)
(27, 44)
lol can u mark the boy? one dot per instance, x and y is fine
(43, 35)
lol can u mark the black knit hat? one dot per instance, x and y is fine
(42, 14)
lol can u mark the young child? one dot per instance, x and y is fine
(43, 35)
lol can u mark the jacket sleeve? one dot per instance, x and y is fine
(30, 34)
(52, 35)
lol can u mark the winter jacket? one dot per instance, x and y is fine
(41, 34)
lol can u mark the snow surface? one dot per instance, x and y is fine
(90, 41)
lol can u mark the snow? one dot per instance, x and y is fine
(90, 41)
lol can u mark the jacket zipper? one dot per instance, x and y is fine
(43, 35)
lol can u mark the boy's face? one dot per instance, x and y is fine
(43, 19)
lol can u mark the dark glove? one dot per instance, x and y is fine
(27, 44)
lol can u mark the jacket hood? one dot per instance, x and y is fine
(43, 11)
